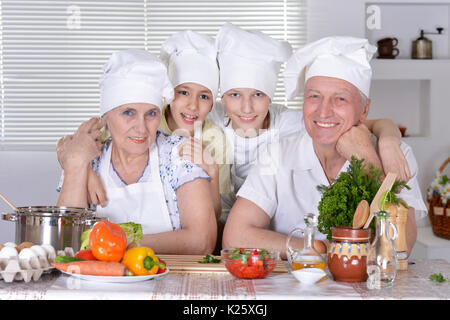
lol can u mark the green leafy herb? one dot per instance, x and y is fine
(444, 180)
(438, 277)
(244, 254)
(209, 259)
(340, 199)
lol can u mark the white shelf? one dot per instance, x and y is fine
(429, 246)
(410, 69)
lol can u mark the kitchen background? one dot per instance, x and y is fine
(414, 93)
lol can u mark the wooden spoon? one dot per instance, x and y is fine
(9, 202)
(387, 184)
(361, 214)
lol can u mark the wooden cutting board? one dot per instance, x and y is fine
(189, 263)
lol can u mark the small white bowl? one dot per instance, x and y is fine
(309, 275)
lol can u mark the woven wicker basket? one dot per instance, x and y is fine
(438, 206)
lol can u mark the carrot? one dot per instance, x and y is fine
(94, 268)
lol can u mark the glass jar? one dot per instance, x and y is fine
(308, 256)
(382, 259)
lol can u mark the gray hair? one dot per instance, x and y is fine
(364, 99)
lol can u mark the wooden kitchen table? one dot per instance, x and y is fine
(188, 283)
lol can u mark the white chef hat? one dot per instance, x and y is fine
(340, 57)
(191, 57)
(249, 59)
(132, 76)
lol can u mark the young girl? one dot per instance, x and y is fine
(249, 64)
(191, 61)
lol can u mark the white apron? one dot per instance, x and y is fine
(142, 203)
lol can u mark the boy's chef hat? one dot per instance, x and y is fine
(191, 57)
(345, 58)
(249, 59)
(132, 76)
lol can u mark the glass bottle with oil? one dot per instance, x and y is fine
(308, 256)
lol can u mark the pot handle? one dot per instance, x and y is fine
(90, 222)
(10, 217)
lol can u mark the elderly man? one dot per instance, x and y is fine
(334, 75)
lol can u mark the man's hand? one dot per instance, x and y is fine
(355, 142)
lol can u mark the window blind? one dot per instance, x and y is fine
(52, 53)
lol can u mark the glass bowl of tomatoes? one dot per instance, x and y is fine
(249, 263)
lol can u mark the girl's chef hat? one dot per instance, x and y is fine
(345, 58)
(132, 76)
(249, 59)
(191, 57)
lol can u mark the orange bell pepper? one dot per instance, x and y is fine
(107, 241)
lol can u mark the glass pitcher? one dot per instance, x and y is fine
(382, 258)
(308, 256)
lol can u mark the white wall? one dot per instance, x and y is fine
(26, 178)
(402, 101)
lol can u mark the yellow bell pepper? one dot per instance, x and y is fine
(142, 261)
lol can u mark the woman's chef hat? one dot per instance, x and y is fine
(191, 57)
(345, 58)
(249, 59)
(132, 76)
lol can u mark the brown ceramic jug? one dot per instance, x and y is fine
(347, 255)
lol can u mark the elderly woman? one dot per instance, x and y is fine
(145, 179)
(334, 74)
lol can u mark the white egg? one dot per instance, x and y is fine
(39, 251)
(27, 253)
(8, 252)
(49, 249)
(10, 244)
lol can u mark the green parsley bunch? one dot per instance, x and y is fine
(342, 196)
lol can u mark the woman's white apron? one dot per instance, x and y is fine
(142, 202)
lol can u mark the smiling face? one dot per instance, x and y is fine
(192, 102)
(247, 108)
(133, 127)
(331, 107)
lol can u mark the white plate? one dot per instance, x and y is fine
(116, 279)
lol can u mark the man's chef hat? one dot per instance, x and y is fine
(249, 59)
(191, 57)
(133, 76)
(345, 58)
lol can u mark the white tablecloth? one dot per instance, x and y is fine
(411, 284)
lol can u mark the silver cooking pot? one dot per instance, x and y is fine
(60, 227)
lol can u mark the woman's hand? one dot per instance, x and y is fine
(194, 151)
(393, 159)
(82, 147)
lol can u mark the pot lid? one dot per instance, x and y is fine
(54, 211)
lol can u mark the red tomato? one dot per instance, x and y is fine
(162, 270)
(86, 255)
(254, 270)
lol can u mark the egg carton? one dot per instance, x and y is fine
(30, 263)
